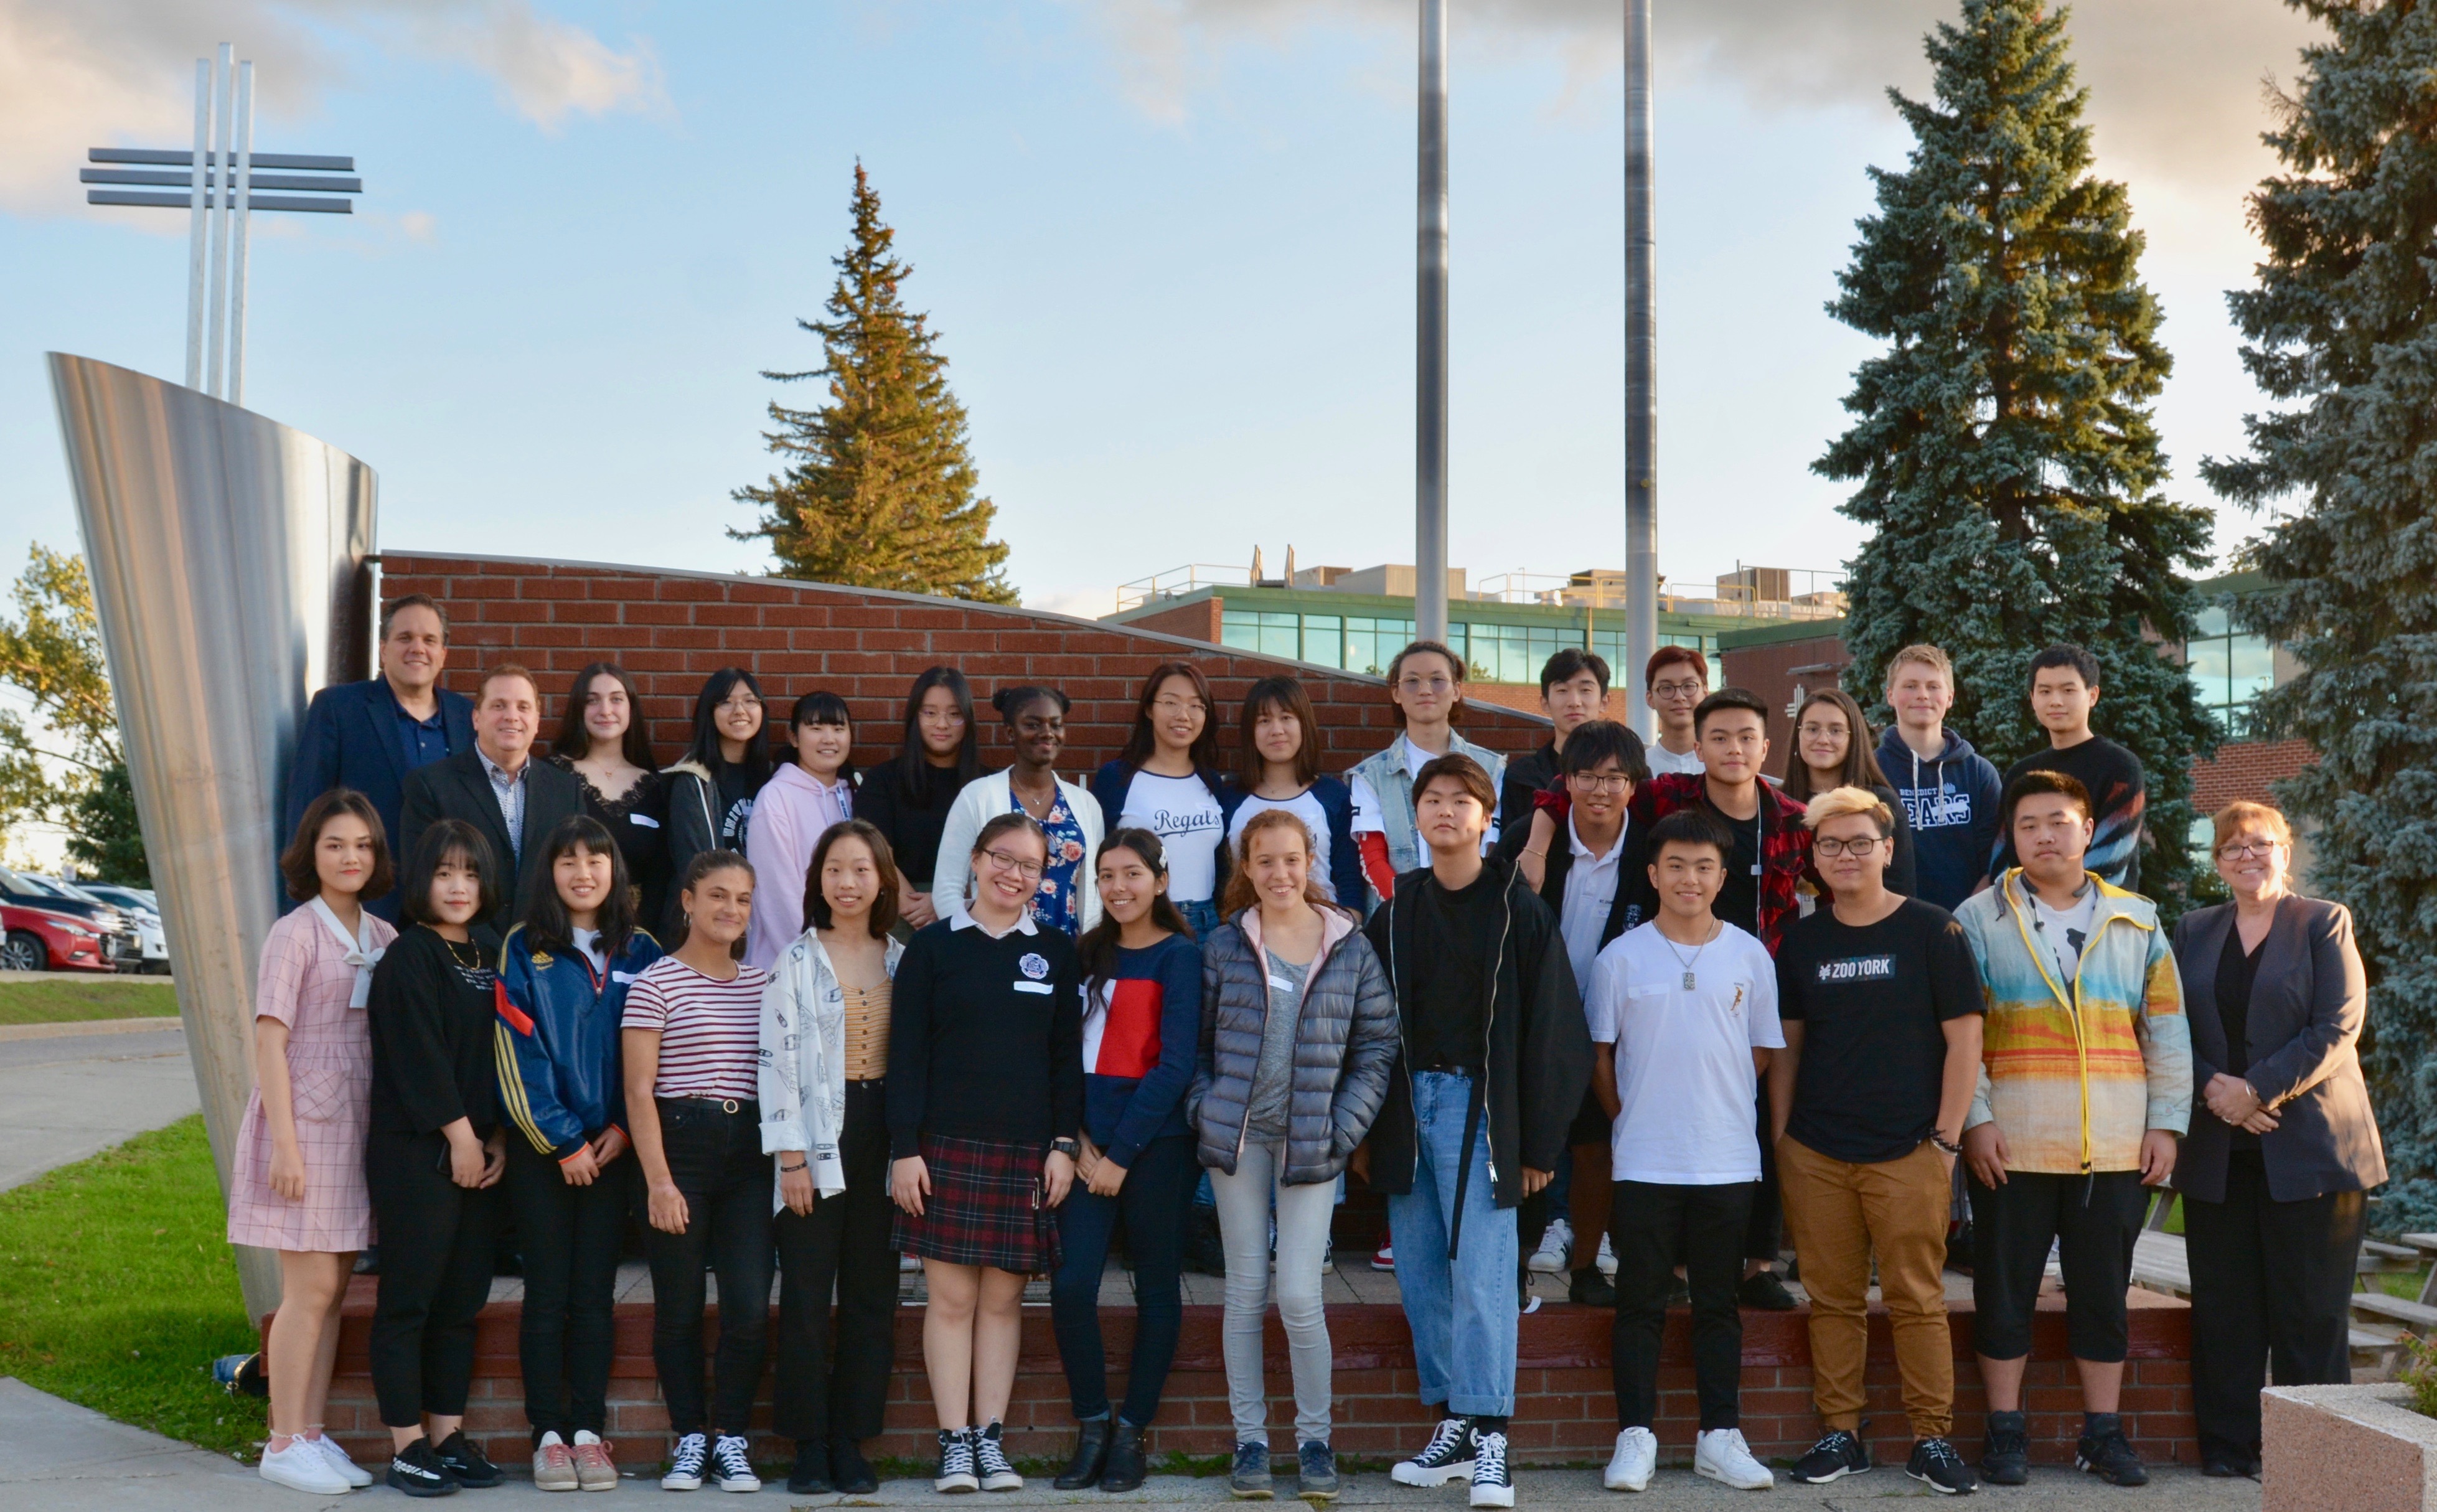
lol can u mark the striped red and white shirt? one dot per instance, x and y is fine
(711, 1030)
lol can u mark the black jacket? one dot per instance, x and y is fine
(350, 739)
(458, 788)
(1539, 1045)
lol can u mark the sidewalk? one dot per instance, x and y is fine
(65, 1096)
(62, 1458)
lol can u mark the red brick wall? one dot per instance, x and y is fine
(672, 629)
(2243, 769)
(1770, 672)
(1202, 621)
(1565, 1409)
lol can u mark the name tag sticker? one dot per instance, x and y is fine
(623, 977)
(644, 819)
(1043, 987)
(1282, 984)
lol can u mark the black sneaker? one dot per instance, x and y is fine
(468, 1463)
(2108, 1454)
(1447, 1457)
(416, 1471)
(1491, 1484)
(2006, 1455)
(2227, 1466)
(990, 1458)
(1316, 1464)
(851, 1474)
(1836, 1455)
(1248, 1479)
(956, 1461)
(1765, 1290)
(1590, 1290)
(811, 1475)
(1936, 1465)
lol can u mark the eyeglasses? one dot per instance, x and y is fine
(2243, 849)
(745, 705)
(1022, 868)
(1600, 782)
(1688, 688)
(1177, 705)
(1834, 848)
(1436, 684)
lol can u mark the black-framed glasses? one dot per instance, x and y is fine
(2242, 850)
(1028, 870)
(1834, 846)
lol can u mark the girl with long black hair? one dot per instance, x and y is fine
(601, 742)
(1166, 780)
(712, 788)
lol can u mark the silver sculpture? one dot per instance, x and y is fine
(228, 556)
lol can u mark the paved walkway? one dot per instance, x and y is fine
(62, 1458)
(64, 1097)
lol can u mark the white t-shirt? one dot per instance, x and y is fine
(1366, 803)
(1591, 890)
(1185, 816)
(1303, 806)
(1684, 1074)
(1663, 761)
(2064, 931)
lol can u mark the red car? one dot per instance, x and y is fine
(38, 940)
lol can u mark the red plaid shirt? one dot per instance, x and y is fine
(1785, 844)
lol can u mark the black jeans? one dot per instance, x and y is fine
(715, 1158)
(837, 1391)
(1159, 1187)
(435, 1276)
(1765, 1229)
(2092, 1219)
(2271, 1282)
(1651, 1225)
(570, 1237)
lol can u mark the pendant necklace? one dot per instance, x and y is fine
(1689, 979)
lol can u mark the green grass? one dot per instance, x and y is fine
(26, 999)
(117, 1290)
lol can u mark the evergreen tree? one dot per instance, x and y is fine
(879, 490)
(2343, 340)
(2002, 444)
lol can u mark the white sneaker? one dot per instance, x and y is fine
(908, 1265)
(1606, 1260)
(355, 1475)
(1555, 1240)
(300, 1466)
(1635, 1458)
(1721, 1455)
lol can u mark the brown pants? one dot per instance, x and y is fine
(1839, 1213)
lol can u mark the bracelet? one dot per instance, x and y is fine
(1939, 1140)
(792, 1170)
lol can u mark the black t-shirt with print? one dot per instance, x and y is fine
(1871, 1002)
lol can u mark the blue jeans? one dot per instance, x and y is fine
(1202, 916)
(1153, 1202)
(1461, 1311)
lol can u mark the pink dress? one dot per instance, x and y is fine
(308, 984)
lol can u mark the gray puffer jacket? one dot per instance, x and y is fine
(1345, 1046)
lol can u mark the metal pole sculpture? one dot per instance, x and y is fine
(227, 554)
(1640, 371)
(1430, 344)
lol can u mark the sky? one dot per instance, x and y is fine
(1166, 244)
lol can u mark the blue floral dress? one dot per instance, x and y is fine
(1055, 905)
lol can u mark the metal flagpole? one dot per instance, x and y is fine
(241, 197)
(1430, 345)
(200, 180)
(1640, 371)
(223, 85)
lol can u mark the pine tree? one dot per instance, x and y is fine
(879, 490)
(2344, 339)
(2003, 445)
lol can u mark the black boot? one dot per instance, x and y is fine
(1090, 1454)
(811, 1475)
(1591, 1288)
(1124, 1472)
(849, 1472)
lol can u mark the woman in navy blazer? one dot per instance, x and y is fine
(2283, 1147)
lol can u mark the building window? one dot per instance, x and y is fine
(1264, 631)
(2229, 670)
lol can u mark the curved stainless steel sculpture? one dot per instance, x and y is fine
(228, 556)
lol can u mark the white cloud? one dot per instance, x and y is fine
(75, 74)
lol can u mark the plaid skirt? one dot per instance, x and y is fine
(986, 1207)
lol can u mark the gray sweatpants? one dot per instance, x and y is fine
(1304, 1214)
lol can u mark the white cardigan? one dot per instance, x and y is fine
(803, 1061)
(983, 799)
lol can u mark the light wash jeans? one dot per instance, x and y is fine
(1461, 1311)
(1303, 1213)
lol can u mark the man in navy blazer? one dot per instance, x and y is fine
(370, 736)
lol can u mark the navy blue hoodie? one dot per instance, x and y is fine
(1951, 803)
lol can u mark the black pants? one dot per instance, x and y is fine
(1159, 1187)
(570, 1237)
(1651, 1225)
(2271, 1282)
(435, 1275)
(1765, 1229)
(2092, 1219)
(715, 1159)
(836, 1391)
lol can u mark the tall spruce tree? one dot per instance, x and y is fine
(880, 490)
(2002, 444)
(2343, 336)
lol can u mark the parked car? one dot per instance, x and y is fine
(142, 905)
(101, 938)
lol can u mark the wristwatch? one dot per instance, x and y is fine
(1066, 1147)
